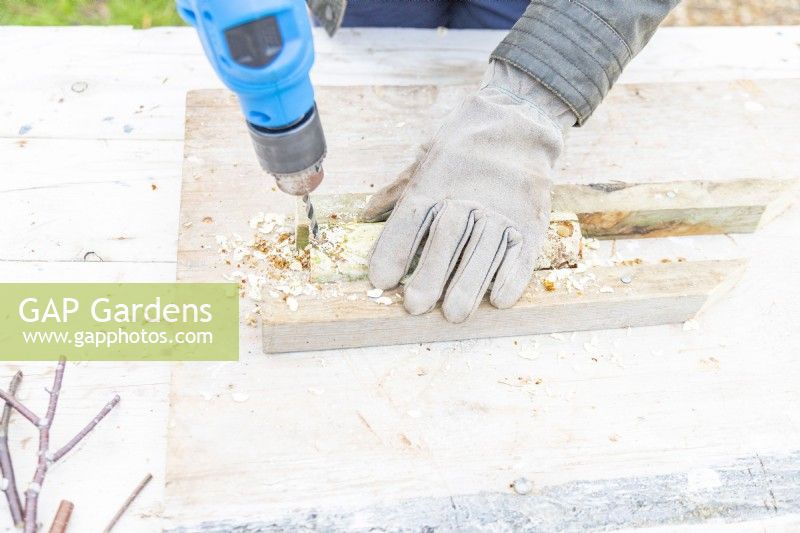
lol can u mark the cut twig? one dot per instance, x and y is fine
(45, 459)
(21, 409)
(85, 431)
(32, 494)
(63, 514)
(12, 391)
(142, 484)
(6, 466)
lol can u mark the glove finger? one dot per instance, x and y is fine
(398, 242)
(481, 259)
(448, 235)
(380, 205)
(514, 274)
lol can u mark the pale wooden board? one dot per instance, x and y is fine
(660, 294)
(642, 134)
(628, 210)
(160, 66)
(348, 430)
(162, 63)
(575, 506)
(698, 207)
(657, 294)
(390, 432)
(130, 442)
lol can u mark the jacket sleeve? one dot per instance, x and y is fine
(578, 48)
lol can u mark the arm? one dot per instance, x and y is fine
(578, 48)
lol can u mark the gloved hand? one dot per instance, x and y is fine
(480, 193)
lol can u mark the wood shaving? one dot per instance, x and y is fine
(268, 264)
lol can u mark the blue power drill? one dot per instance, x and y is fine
(263, 51)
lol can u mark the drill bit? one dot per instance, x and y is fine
(312, 217)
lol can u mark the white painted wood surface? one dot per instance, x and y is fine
(74, 178)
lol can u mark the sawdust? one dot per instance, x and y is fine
(268, 264)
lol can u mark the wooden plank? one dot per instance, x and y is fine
(614, 210)
(654, 294)
(129, 443)
(41, 215)
(354, 429)
(161, 64)
(628, 210)
(746, 403)
(369, 430)
(373, 133)
(642, 130)
(739, 499)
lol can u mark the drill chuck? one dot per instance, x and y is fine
(292, 154)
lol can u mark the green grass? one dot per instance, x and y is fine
(138, 13)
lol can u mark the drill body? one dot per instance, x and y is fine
(263, 51)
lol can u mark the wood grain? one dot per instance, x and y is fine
(630, 171)
(340, 227)
(475, 434)
(631, 210)
(574, 506)
(656, 294)
(337, 430)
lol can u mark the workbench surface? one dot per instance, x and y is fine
(91, 145)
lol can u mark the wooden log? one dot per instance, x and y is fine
(630, 210)
(341, 253)
(610, 297)
(622, 210)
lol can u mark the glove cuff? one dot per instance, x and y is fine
(516, 82)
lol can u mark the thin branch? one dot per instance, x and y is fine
(142, 484)
(63, 514)
(6, 466)
(32, 494)
(12, 390)
(56, 390)
(21, 409)
(85, 431)
(28, 516)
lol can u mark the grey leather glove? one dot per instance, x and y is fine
(478, 196)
